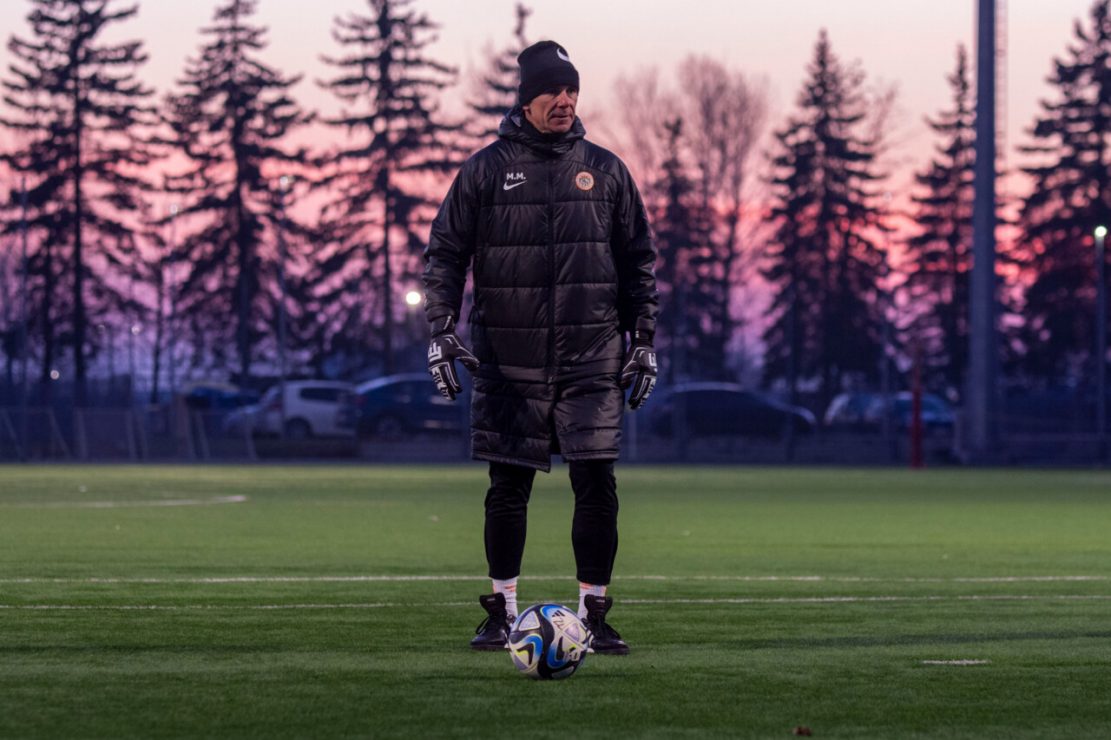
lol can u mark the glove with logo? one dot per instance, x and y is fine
(639, 370)
(444, 349)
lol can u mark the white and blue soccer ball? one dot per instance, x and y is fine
(548, 641)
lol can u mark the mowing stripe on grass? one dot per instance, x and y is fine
(869, 599)
(632, 602)
(963, 661)
(452, 578)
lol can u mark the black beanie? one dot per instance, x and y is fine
(544, 65)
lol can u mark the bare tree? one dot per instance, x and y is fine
(724, 115)
(641, 132)
(727, 114)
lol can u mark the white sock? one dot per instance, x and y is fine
(508, 588)
(588, 589)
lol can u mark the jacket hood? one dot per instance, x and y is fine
(515, 128)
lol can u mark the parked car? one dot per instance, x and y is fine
(865, 411)
(217, 397)
(396, 405)
(214, 402)
(726, 409)
(313, 408)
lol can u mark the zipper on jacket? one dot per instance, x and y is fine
(551, 271)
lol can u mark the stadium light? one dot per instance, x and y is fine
(54, 375)
(413, 298)
(1101, 341)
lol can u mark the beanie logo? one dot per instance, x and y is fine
(584, 181)
(562, 54)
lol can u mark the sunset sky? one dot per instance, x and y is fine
(910, 43)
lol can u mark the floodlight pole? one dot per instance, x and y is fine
(283, 183)
(24, 313)
(1101, 342)
(980, 401)
(131, 324)
(171, 265)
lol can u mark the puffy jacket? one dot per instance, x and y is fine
(562, 256)
(562, 251)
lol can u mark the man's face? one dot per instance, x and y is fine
(553, 111)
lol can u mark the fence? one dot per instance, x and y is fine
(168, 434)
(119, 434)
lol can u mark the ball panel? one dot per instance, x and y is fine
(548, 641)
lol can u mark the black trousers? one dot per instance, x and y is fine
(593, 528)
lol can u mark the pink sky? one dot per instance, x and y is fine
(909, 42)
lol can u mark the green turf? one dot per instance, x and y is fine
(720, 648)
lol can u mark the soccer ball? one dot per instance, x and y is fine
(548, 641)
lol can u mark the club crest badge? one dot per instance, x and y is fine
(584, 181)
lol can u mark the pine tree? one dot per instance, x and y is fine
(1071, 196)
(690, 325)
(496, 86)
(396, 141)
(229, 121)
(824, 263)
(83, 115)
(939, 257)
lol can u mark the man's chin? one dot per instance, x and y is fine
(561, 125)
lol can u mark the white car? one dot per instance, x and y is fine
(313, 408)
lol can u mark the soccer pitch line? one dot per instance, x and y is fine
(818, 600)
(448, 578)
(212, 501)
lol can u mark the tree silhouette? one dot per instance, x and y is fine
(396, 142)
(496, 86)
(229, 122)
(939, 256)
(1071, 196)
(686, 271)
(83, 117)
(725, 117)
(824, 263)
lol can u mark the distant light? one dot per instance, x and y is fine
(173, 209)
(1101, 232)
(54, 375)
(413, 298)
(284, 181)
(135, 329)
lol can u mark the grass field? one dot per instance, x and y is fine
(319, 601)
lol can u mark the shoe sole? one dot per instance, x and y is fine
(489, 648)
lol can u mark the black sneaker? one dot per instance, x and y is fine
(605, 641)
(493, 633)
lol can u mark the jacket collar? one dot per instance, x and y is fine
(516, 128)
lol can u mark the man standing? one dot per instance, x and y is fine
(563, 263)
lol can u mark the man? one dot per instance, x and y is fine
(563, 268)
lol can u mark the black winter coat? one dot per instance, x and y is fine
(563, 262)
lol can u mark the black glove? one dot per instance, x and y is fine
(639, 369)
(444, 349)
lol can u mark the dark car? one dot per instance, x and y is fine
(725, 409)
(217, 397)
(397, 405)
(864, 412)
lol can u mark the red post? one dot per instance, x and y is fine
(916, 458)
